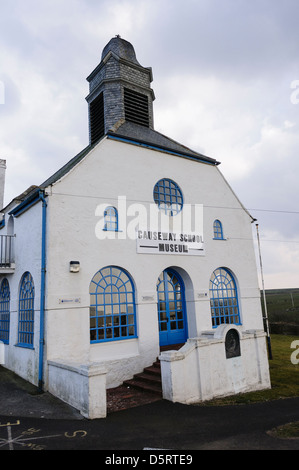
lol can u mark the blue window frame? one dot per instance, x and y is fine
(111, 219)
(4, 311)
(218, 230)
(112, 306)
(168, 196)
(26, 311)
(224, 298)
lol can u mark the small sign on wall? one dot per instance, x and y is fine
(76, 300)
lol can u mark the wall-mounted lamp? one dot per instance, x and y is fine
(74, 266)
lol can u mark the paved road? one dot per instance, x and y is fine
(29, 421)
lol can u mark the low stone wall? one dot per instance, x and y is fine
(222, 362)
(82, 386)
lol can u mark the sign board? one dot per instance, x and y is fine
(169, 243)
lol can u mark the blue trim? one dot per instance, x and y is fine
(24, 345)
(218, 230)
(4, 311)
(2, 223)
(42, 293)
(224, 298)
(168, 196)
(26, 311)
(111, 219)
(172, 315)
(25, 205)
(112, 306)
(160, 149)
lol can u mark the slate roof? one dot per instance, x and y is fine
(130, 133)
(149, 137)
(138, 135)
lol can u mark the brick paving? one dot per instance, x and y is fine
(123, 397)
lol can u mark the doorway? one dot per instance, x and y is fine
(171, 308)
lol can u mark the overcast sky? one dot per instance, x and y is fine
(226, 80)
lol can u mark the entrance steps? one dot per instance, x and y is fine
(149, 380)
(144, 388)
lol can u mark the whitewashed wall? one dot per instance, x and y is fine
(115, 169)
(28, 231)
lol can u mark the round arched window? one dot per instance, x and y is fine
(112, 305)
(168, 196)
(224, 298)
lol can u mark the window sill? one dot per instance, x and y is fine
(23, 345)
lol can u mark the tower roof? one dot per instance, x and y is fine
(122, 48)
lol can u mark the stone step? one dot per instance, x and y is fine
(148, 380)
(149, 377)
(143, 385)
(153, 370)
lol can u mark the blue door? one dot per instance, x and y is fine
(171, 308)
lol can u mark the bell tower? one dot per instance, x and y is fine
(119, 90)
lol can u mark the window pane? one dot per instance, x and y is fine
(117, 297)
(223, 298)
(168, 196)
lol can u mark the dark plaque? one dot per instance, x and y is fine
(232, 344)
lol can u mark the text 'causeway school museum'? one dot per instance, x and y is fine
(137, 245)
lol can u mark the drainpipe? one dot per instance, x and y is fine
(42, 293)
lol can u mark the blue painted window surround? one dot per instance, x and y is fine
(112, 306)
(111, 219)
(168, 196)
(4, 311)
(26, 311)
(218, 230)
(224, 298)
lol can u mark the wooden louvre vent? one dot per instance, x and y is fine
(136, 107)
(97, 123)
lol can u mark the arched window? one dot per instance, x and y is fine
(26, 311)
(4, 311)
(224, 298)
(168, 196)
(111, 219)
(112, 306)
(218, 230)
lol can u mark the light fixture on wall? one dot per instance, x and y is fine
(74, 266)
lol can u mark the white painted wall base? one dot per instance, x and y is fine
(81, 386)
(200, 371)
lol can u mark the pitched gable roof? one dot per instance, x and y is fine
(129, 133)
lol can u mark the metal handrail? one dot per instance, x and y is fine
(6, 250)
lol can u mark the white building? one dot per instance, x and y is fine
(138, 242)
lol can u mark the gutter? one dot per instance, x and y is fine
(161, 148)
(42, 293)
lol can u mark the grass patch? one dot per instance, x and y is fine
(287, 431)
(284, 377)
